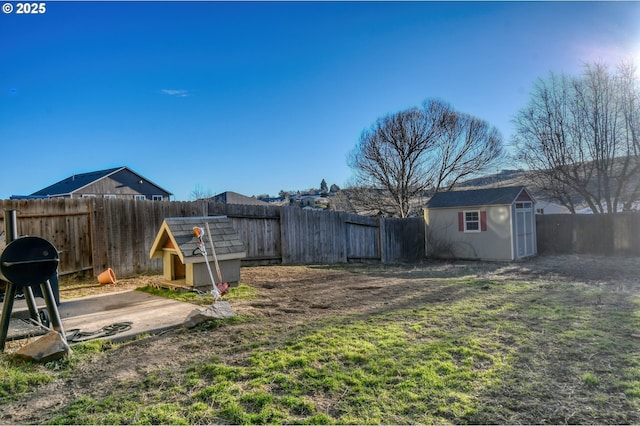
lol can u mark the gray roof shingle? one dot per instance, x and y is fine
(225, 238)
(476, 197)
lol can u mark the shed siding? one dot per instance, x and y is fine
(524, 196)
(446, 240)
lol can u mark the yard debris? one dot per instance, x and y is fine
(218, 310)
(76, 335)
(50, 347)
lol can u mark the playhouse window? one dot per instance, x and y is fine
(472, 221)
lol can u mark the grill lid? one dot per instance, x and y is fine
(28, 261)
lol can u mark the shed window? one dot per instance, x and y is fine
(139, 197)
(472, 221)
(158, 198)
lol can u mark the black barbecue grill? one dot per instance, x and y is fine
(24, 263)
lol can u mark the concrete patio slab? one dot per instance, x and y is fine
(147, 313)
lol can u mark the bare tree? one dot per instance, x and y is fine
(579, 136)
(199, 192)
(469, 146)
(419, 150)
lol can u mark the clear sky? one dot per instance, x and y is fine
(258, 97)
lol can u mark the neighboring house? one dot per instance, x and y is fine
(546, 207)
(279, 201)
(119, 182)
(486, 224)
(235, 198)
(312, 201)
(308, 200)
(587, 210)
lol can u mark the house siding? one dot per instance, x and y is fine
(122, 184)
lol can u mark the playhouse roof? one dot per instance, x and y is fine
(477, 197)
(176, 233)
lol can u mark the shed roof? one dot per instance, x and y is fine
(178, 233)
(477, 197)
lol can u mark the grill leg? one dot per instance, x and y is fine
(7, 307)
(31, 303)
(54, 314)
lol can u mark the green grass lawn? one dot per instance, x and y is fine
(480, 352)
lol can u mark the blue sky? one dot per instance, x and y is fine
(257, 97)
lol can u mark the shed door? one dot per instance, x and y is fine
(525, 229)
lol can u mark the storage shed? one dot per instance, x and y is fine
(183, 263)
(485, 224)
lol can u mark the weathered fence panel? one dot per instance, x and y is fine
(258, 227)
(310, 236)
(362, 238)
(124, 230)
(65, 223)
(626, 234)
(601, 234)
(403, 239)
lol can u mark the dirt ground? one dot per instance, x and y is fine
(612, 272)
(292, 295)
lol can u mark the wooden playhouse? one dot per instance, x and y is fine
(183, 263)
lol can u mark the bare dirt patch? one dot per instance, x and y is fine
(294, 295)
(317, 283)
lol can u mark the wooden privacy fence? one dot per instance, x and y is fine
(65, 223)
(93, 234)
(603, 234)
(290, 235)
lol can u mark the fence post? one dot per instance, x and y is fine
(381, 238)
